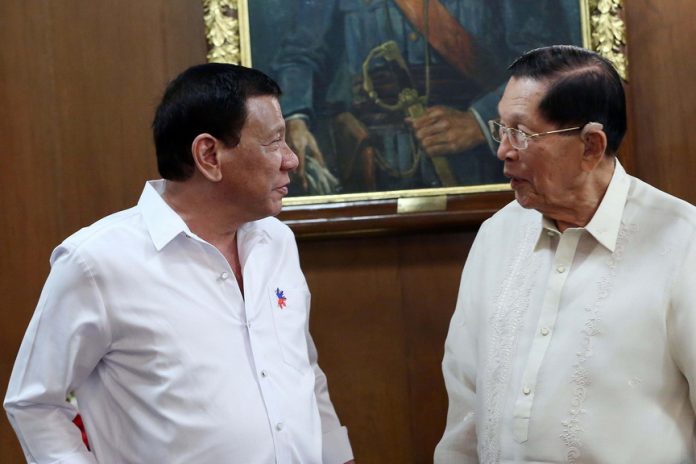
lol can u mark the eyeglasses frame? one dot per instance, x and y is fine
(493, 125)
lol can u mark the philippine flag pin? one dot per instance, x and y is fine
(281, 298)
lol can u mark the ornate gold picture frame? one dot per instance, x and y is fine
(367, 206)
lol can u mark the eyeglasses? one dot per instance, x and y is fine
(519, 139)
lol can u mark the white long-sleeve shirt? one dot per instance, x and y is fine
(577, 346)
(146, 323)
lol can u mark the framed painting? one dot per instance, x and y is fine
(387, 101)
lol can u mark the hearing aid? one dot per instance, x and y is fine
(591, 126)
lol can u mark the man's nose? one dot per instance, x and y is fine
(290, 159)
(505, 149)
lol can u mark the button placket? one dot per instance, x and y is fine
(560, 266)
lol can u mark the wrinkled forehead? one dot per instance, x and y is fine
(521, 98)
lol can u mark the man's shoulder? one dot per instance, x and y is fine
(651, 200)
(103, 232)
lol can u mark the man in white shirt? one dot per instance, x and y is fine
(573, 335)
(181, 324)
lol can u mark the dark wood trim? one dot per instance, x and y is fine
(379, 217)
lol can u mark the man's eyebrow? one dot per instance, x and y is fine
(515, 117)
(273, 132)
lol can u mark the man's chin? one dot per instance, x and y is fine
(276, 208)
(523, 199)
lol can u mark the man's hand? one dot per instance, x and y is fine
(303, 143)
(445, 131)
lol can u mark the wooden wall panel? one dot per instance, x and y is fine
(358, 328)
(78, 85)
(27, 167)
(430, 269)
(381, 309)
(662, 66)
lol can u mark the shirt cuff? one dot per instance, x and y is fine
(336, 447)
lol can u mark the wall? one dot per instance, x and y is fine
(381, 308)
(662, 69)
(78, 85)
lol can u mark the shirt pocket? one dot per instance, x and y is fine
(290, 308)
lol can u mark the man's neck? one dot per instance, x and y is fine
(585, 203)
(196, 205)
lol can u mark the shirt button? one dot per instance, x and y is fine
(561, 269)
(413, 37)
(526, 391)
(279, 426)
(264, 374)
(549, 233)
(544, 331)
(248, 324)
(224, 276)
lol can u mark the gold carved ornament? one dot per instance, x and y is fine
(222, 26)
(605, 32)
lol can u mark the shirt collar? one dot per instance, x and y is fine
(606, 222)
(164, 224)
(161, 220)
(253, 232)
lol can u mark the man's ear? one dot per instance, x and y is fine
(204, 149)
(595, 141)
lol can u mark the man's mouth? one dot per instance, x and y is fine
(514, 180)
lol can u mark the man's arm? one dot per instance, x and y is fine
(302, 54)
(459, 367)
(65, 339)
(681, 320)
(458, 443)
